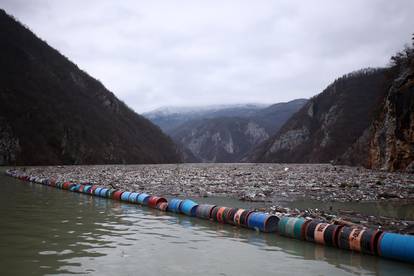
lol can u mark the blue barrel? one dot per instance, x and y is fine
(174, 205)
(125, 196)
(86, 189)
(143, 198)
(75, 188)
(97, 191)
(189, 207)
(133, 197)
(104, 192)
(397, 246)
(263, 222)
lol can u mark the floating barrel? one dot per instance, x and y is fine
(397, 246)
(163, 206)
(204, 211)
(153, 201)
(75, 187)
(355, 239)
(369, 241)
(319, 234)
(52, 183)
(59, 184)
(92, 190)
(133, 197)
(143, 198)
(237, 215)
(117, 195)
(103, 192)
(244, 217)
(214, 211)
(65, 185)
(310, 230)
(229, 215)
(343, 237)
(291, 227)
(97, 191)
(80, 190)
(219, 215)
(189, 207)
(86, 189)
(330, 235)
(125, 196)
(263, 222)
(174, 205)
(111, 192)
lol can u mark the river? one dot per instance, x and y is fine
(50, 231)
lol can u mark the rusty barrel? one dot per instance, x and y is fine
(153, 201)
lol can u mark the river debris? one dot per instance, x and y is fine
(271, 184)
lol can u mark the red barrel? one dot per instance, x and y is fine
(92, 190)
(319, 232)
(80, 190)
(117, 195)
(355, 239)
(214, 213)
(153, 201)
(220, 214)
(66, 185)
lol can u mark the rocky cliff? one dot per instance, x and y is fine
(51, 112)
(330, 123)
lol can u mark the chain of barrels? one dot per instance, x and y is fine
(369, 241)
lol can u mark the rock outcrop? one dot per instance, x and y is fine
(51, 112)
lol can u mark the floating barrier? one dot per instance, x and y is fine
(263, 222)
(125, 196)
(189, 207)
(133, 197)
(396, 246)
(143, 198)
(154, 201)
(368, 241)
(174, 205)
(204, 211)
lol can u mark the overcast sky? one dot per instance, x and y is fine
(163, 53)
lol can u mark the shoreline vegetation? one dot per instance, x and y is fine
(270, 186)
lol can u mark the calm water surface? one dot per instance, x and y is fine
(45, 231)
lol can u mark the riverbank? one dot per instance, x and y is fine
(272, 185)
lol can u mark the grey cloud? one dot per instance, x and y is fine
(155, 53)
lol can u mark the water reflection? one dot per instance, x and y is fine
(50, 231)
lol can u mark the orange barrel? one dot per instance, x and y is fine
(214, 212)
(263, 222)
(153, 201)
(162, 206)
(343, 237)
(310, 230)
(369, 241)
(204, 211)
(229, 218)
(117, 195)
(355, 239)
(220, 214)
(320, 232)
(330, 235)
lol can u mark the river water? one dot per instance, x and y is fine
(44, 231)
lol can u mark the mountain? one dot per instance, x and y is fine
(52, 112)
(225, 133)
(364, 118)
(171, 117)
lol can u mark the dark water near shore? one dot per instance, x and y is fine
(49, 231)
